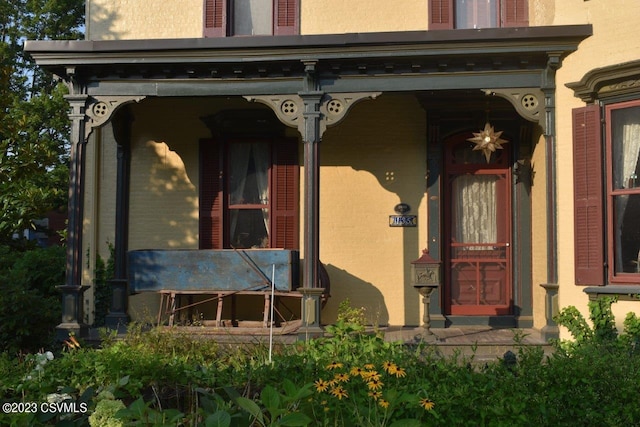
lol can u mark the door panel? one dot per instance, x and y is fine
(478, 229)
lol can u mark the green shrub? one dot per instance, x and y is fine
(603, 331)
(30, 306)
(349, 377)
(102, 290)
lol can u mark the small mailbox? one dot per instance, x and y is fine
(426, 277)
(426, 271)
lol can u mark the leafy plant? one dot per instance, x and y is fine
(278, 409)
(603, 329)
(102, 290)
(30, 303)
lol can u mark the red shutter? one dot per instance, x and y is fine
(285, 195)
(215, 18)
(285, 17)
(588, 198)
(515, 13)
(441, 14)
(211, 195)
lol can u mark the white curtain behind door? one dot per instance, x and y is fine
(475, 219)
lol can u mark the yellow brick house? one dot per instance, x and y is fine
(346, 138)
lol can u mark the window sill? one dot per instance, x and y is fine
(622, 292)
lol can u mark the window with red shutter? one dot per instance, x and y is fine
(285, 17)
(251, 17)
(440, 14)
(285, 177)
(449, 14)
(588, 199)
(211, 195)
(515, 13)
(215, 18)
(249, 190)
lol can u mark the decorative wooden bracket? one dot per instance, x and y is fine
(528, 102)
(100, 109)
(333, 107)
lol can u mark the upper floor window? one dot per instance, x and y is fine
(449, 14)
(250, 17)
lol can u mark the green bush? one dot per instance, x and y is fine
(102, 290)
(30, 306)
(349, 377)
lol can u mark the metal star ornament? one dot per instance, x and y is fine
(487, 141)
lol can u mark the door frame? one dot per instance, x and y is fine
(504, 168)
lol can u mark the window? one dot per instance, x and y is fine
(250, 17)
(620, 206)
(249, 194)
(449, 14)
(623, 187)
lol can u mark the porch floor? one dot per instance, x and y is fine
(483, 342)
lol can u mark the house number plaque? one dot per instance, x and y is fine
(403, 220)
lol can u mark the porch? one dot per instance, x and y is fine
(157, 125)
(484, 343)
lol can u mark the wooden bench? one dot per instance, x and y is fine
(216, 273)
(170, 303)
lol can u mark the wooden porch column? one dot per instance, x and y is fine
(72, 290)
(311, 111)
(311, 137)
(550, 330)
(118, 318)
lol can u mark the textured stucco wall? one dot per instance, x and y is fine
(157, 19)
(361, 16)
(614, 41)
(143, 19)
(372, 161)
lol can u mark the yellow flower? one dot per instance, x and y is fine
(339, 392)
(371, 375)
(400, 372)
(356, 371)
(321, 385)
(389, 367)
(369, 366)
(374, 384)
(334, 365)
(383, 403)
(427, 403)
(374, 394)
(341, 378)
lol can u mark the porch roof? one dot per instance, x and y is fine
(518, 53)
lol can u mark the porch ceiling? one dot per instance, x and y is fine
(447, 59)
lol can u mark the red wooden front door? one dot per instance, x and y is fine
(477, 230)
